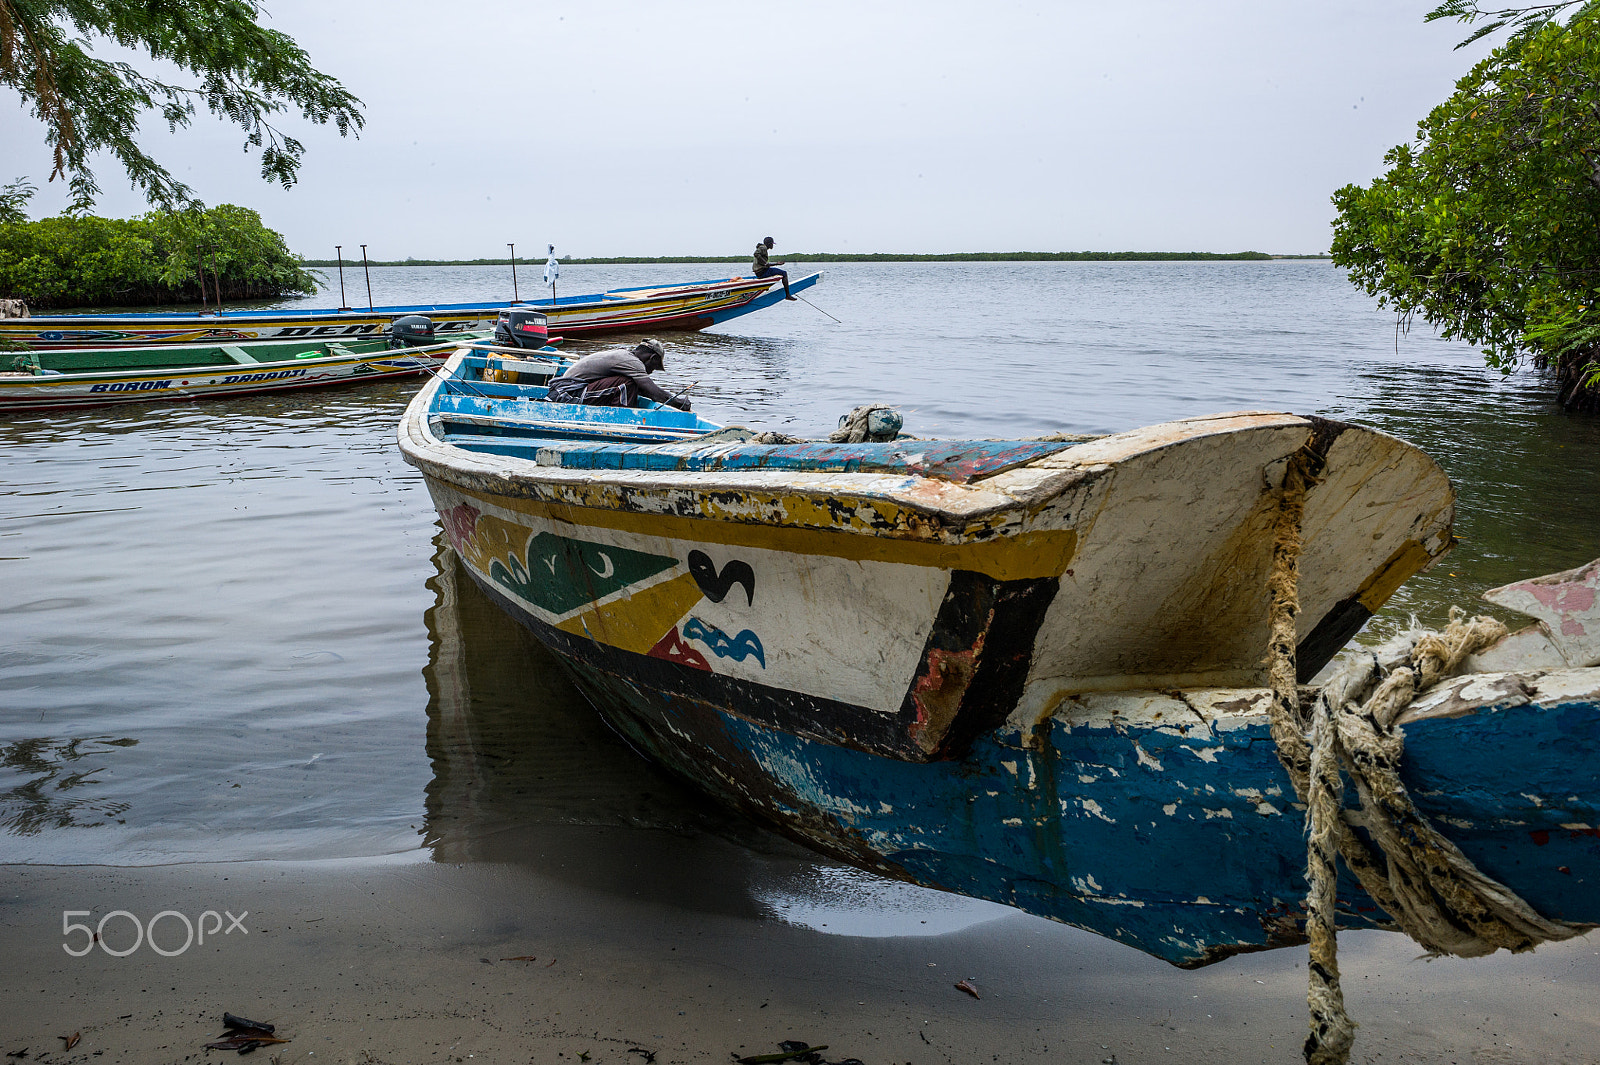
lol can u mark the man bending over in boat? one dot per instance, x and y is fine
(762, 268)
(615, 377)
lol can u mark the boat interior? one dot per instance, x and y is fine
(496, 405)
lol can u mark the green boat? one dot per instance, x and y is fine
(90, 377)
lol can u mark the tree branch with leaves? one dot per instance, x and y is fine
(244, 73)
(1488, 224)
(1524, 21)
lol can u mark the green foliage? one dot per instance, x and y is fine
(156, 258)
(1525, 22)
(1488, 226)
(246, 74)
(13, 198)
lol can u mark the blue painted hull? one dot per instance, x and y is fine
(1025, 671)
(1187, 848)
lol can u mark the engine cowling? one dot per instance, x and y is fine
(521, 327)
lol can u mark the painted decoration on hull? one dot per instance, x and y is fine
(925, 659)
(745, 645)
(742, 612)
(560, 574)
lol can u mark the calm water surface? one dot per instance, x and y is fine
(227, 629)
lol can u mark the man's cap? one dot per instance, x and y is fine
(768, 241)
(651, 346)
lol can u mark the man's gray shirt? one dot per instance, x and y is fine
(617, 362)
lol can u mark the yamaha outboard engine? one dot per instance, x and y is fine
(521, 327)
(412, 331)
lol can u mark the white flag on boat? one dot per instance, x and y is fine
(552, 267)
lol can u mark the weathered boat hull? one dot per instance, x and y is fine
(695, 305)
(274, 367)
(46, 332)
(1021, 670)
(1161, 820)
(905, 614)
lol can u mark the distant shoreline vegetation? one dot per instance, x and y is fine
(159, 258)
(848, 257)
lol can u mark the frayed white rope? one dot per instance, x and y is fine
(1429, 888)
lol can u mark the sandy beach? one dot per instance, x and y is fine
(659, 952)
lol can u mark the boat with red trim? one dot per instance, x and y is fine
(648, 308)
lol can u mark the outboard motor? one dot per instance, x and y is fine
(521, 327)
(411, 331)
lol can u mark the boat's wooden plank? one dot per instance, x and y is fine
(238, 355)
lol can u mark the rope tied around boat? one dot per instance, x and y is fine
(1430, 890)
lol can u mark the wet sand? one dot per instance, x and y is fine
(658, 949)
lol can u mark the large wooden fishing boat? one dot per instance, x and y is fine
(67, 378)
(1032, 671)
(651, 308)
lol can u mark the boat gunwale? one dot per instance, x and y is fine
(933, 509)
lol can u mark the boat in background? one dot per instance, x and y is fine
(69, 378)
(1029, 671)
(651, 308)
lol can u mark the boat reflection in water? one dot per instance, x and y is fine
(525, 772)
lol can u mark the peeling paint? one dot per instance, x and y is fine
(1093, 807)
(1146, 759)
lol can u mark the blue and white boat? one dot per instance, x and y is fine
(1030, 671)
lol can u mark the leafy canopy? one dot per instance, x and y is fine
(1525, 22)
(1488, 225)
(161, 257)
(244, 73)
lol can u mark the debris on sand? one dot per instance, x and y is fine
(791, 1050)
(969, 987)
(244, 1035)
(242, 1024)
(797, 1050)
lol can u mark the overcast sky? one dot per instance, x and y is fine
(646, 128)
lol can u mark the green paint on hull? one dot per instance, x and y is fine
(560, 574)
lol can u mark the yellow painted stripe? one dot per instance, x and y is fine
(636, 623)
(1029, 555)
(1400, 566)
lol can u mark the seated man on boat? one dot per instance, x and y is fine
(762, 267)
(615, 377)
